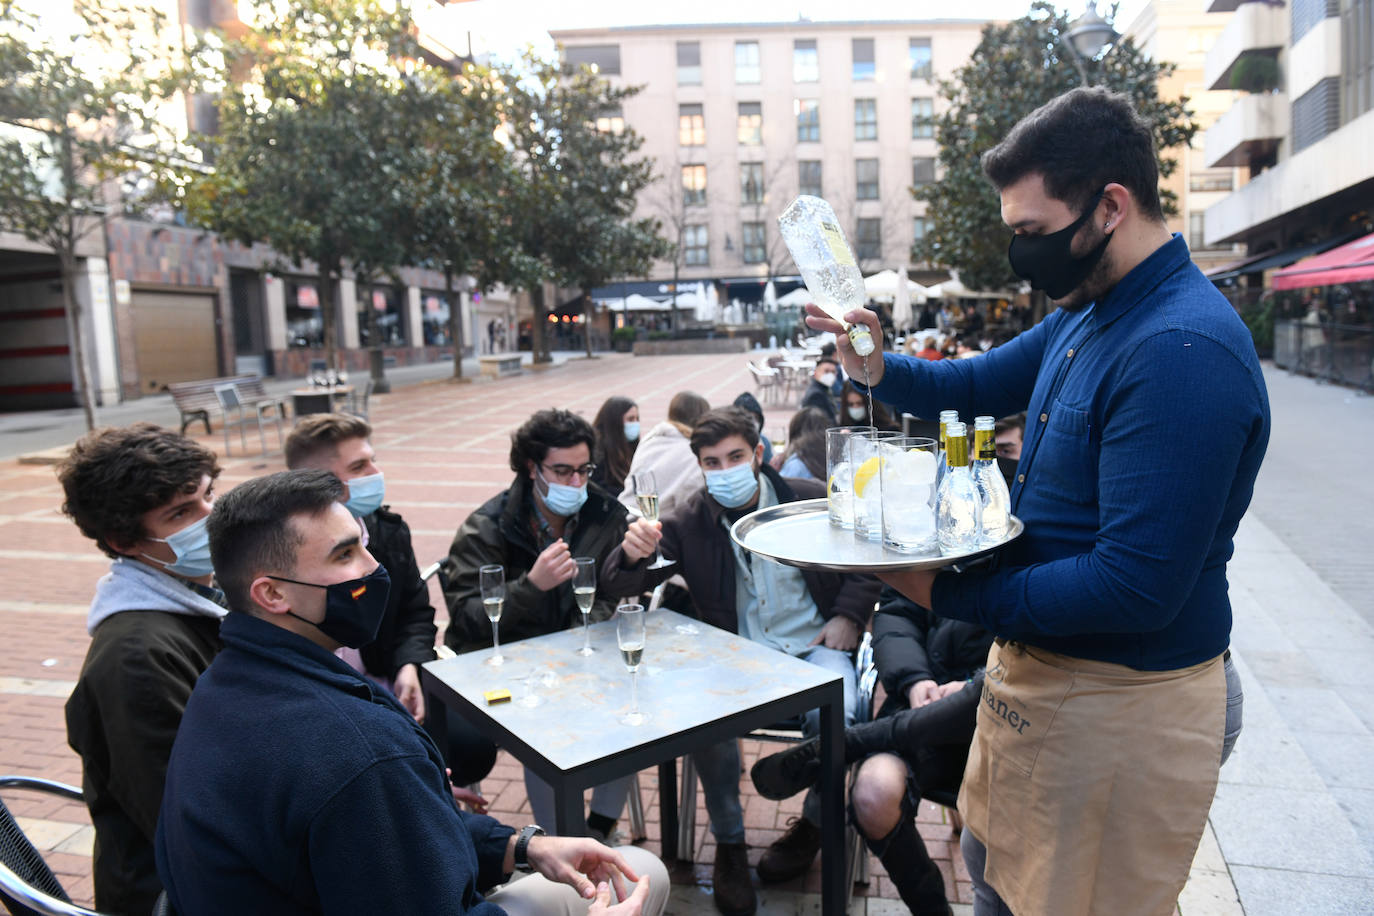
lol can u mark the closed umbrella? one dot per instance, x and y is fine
(770, 297)
(901, 303)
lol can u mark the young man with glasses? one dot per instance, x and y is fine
(550, 514)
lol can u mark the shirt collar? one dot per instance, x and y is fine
(1141, 281)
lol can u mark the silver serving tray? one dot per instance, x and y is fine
(800, 534)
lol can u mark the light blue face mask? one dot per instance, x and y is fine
(365, 494)
(632, 431)
(732, 487)
(562, 499)
(192, 548)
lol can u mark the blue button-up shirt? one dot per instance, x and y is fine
(1147, 419)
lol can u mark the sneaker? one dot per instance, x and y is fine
(792, 853)
(733, 891)
(788, 772)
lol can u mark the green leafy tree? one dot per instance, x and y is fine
(1016, 68)
(79, 115)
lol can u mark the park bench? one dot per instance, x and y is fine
(499, 365)
(195, 400)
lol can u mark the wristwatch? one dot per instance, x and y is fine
(522, 846)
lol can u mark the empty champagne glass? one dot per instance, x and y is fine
(584, 590)
(492, 580)
(646, 493)
(629, 633)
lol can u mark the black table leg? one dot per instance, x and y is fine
(568, 817)
(667, 808)
(833, 852)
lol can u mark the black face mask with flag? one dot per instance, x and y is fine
(353, 610)
(1047, 262)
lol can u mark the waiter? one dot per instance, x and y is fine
(1105, 716)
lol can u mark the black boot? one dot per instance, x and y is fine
(916, 876)
(796, 769)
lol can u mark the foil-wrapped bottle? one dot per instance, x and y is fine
(992, 486)
(827, 266)
(958, 510)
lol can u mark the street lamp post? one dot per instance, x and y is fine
(1086, 37)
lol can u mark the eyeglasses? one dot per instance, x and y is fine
(565, 472)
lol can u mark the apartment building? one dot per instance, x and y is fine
(740, 118)
(1304, 130)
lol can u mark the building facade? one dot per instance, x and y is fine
(741, 118)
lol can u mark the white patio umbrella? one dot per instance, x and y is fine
(712, 303)
(799, 296)
(883, 285)
(901, 304)
(770, 297)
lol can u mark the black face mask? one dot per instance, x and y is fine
(1046, 262)
(353, 610)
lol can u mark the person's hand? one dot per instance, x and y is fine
(921, 693)
(840, 633)
(818, 320)
(477, 803)
(633, 906)
(950, 688)
(553, 567)
(641, 539)
(408, 692)
(579, 862)
(914, 583)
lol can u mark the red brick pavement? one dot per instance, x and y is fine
(444, 448)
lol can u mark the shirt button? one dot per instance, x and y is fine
(1044, 417)
(1070, 356)
(1020, 478)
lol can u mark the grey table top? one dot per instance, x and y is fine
(693, 674)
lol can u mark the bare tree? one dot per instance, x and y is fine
(668, 201)
(892, 205)
(778, 186)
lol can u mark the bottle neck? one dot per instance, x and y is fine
(956, 452)
(984, 445)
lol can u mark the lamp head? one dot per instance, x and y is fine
(1090, 33)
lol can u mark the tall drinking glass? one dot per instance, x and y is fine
(629, 633)
(646, 494)
(584, 590)
(839, 476)
(867, 501)
(492, 580)
(907, 471)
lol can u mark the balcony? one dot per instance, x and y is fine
(1251, 130)
(1255, 28)
(1223, 6)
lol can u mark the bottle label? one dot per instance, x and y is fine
(984, 448)
(835, 239)
(956, 451)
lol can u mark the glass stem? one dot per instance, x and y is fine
(495, 638)
(586, 630)
(634, 692)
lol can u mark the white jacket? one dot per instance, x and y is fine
(666, 452)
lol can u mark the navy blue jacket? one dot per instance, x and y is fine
(298, 786)
(1147, 421)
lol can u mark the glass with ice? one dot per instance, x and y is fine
(839, 476)
(867, 499)
(906, 469)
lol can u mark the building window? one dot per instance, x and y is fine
(754, 248)
(693, 185)
(750, 123)
(922, 119)
(695, 251)
(691, 125)
(809, 177)
(920, 227)
(611, 122)
(865, 119)
(435, 318)
(922, 170)
(304, 324)
(868, 240)
(863, 58)
(808, 121)
(1357, 58)
(1210, 180)
(746, 62)
(603, 59)
(866, 179)
(1197, 225)
(918, 55)
(806, 62)
(689, 63)
(384, 304)
(751, 182)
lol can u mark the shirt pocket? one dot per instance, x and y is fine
(1065, 464)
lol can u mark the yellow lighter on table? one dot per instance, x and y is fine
(494, 697)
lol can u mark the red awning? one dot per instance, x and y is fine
(1349, 263)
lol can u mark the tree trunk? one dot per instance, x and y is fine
(587, 319)
(329, 294)
(455, 322)
(537, 329)
(72, 307)
(672, 315)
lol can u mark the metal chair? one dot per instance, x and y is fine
(230, 400)
(358, 400)
(765, 382)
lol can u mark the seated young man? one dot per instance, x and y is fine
(298, 785)
(932, 670)
(142, 493)
(551, 513)
(812, 615)
(405, 640)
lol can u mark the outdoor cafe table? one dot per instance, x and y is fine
(698, 685)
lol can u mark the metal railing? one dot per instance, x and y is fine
(1340, 353)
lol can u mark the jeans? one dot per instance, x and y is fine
(986, 901)
(718, 766)
(607, 799)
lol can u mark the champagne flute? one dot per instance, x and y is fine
(646, 493)
(629, 634)
(584, 590)
(493, 585)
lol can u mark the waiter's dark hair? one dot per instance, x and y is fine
(1079, 143)
(721, 423)
(251, 531)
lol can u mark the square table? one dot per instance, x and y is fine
(698, 684)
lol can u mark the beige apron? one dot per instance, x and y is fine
(1090, 782)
